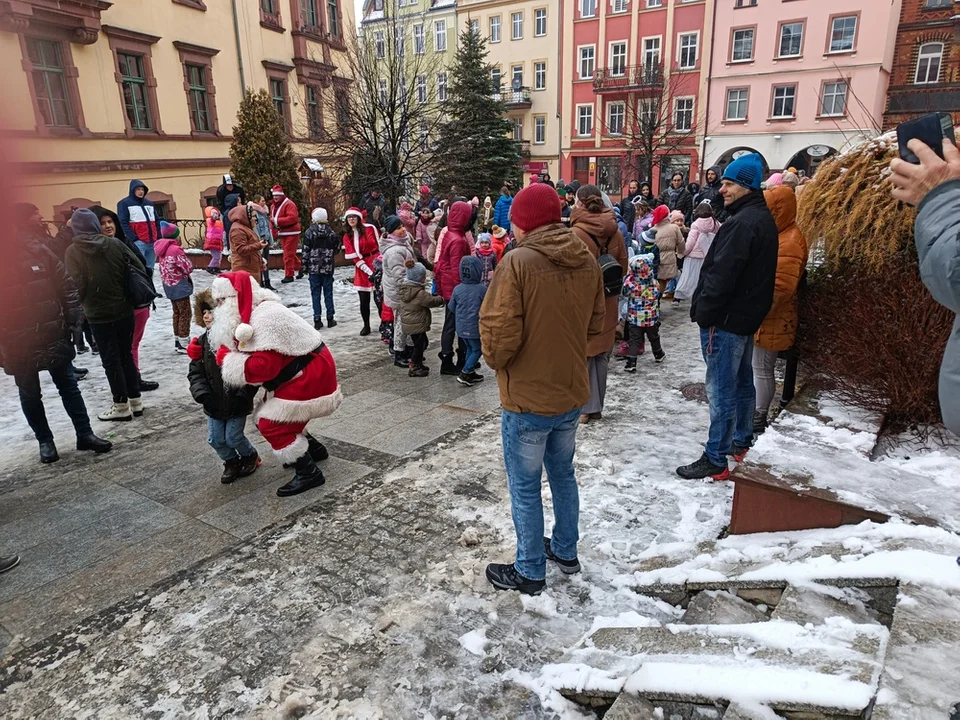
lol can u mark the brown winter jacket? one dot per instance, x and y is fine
(779, 328)
(415, 304)
(602, 227)
(671, 242)
(545, 302)
(245, 247)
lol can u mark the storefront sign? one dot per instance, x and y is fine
(535, 167)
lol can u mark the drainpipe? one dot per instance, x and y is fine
(236, 34)
(706, 112)
(560, 91)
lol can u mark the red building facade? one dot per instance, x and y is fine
(634, 90)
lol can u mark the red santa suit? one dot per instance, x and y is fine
(259, 337)
(361, 247)
(285, 225)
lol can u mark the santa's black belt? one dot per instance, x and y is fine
(292, 368)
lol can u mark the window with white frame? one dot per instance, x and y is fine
(518, 128)
(619, 6)
(442, 86)
(421, 89)
(834, 100)
(736, 104)
(419, 40)
(683, 114)
(649, 115)
(651, 52)
(784, 99)
(843, 31)
(539, 130)
(618, 59)
(516, 25)
(495, 80)
(380, 44)
(654, 3)
(928, 64)
(616, 114)
(495, 29)
(382, 84)
(687, 51)
(516, 76)
(588, 59)
(440, 35)
(474, 27)
(584, 120)
(791, 39)
(540, 22)
(588, 8)
(742, 45)
(539, 76)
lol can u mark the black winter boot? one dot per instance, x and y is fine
(308, 476)
(89, 441)
(318, 324)
(631, 365)
(48, 452)
(461, 359)
(447, 366)
(248, 465)
(331, 323)
(402, 359)
(316, 449)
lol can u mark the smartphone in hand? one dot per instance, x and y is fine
(930, 129)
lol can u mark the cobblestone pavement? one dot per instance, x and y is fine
(367, 599)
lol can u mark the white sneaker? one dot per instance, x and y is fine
(136, 407)
(117, 412)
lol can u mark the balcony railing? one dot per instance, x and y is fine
(514, 98)
(524, 148)
(635, 78)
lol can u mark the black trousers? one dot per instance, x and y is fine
(449, 334)
(419, 348)
(637, 335)
(116, 342)
(31, 401)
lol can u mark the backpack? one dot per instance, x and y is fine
(610, 268)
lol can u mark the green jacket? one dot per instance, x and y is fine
(98, 265)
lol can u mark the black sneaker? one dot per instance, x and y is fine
(80, 372)
(659, 358)
(318, 324)
(567, 567)
(419, 371)
(464, 379)
(631, 366)
(703, 468)
(331, 323)
(476, 377)
(739, 452)
(286, 280)
(364, 331)
(506, 577)
(148, 385)
(9, 562)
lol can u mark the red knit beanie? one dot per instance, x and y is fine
(535, 206)
(660, 213)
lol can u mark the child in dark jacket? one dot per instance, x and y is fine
(465, 304)
(226, 410)
(320, 246)
(415, 315)
(487, 255)
(642, 292)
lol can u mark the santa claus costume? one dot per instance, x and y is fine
(285, 225)
(361, 245)
(262, 342)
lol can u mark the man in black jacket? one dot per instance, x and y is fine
(229, 187)
(733, 297)
(627, 209)
(41, 305)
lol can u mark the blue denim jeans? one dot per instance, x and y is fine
(472, 361)
(227, 439)
(149, 254)
(322, 283)
(530, 443)
(730, 391)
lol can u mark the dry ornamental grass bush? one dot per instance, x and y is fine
(867, 323)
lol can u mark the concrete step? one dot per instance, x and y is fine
(815, 604)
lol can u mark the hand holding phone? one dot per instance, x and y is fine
(930, 129)
(911, 182)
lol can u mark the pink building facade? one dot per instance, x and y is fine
(620, 57)
(797, 80)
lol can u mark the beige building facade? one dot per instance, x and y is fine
(523, 39)
(99, 93)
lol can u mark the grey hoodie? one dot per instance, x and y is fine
(937, 232)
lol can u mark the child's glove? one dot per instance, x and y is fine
(194, 350)
(222, 353)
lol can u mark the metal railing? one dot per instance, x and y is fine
(633, 78)
(513, 98)
(192, 232)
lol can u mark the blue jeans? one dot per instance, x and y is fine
(473, 354)
(227, 439)
(730, 391)
(530, 443)
(149, 254)
(320, 283)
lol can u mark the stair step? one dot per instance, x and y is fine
(804, 605)
(713, 607)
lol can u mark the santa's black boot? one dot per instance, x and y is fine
(308, 476)
(317, 449)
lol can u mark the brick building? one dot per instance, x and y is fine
(926, 66)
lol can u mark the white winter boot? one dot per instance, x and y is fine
(136, 407)
(118, 411)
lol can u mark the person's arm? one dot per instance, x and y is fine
(789, 270)
(937, 234)
(131, 257)
(501, 318)
(66, 291)
(599, 314)
(200, 388)
(692, 239)
(730, 256)
(75, 270)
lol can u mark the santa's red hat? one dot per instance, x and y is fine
(277, 190)
(241, 284)
(356, 212)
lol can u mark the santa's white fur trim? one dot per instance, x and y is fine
(222, 288)
(294, 451)
(299, 411)
(277, 327)
(243, 333)
(233, 369)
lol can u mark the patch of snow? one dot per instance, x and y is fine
(475, 641)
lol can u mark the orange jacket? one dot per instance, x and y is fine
(779, 328)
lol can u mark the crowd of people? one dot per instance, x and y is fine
(540, 285)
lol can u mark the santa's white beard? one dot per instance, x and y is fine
(226, 318)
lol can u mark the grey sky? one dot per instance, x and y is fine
(358, 6)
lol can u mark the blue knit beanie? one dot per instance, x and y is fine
(417, 273)
(746, 171)
(84, 222)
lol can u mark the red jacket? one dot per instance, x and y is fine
(454, 248)
(284, 217)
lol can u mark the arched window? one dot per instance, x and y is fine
(928, 63)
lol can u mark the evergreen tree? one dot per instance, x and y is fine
(261, 155)
(474, 147)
